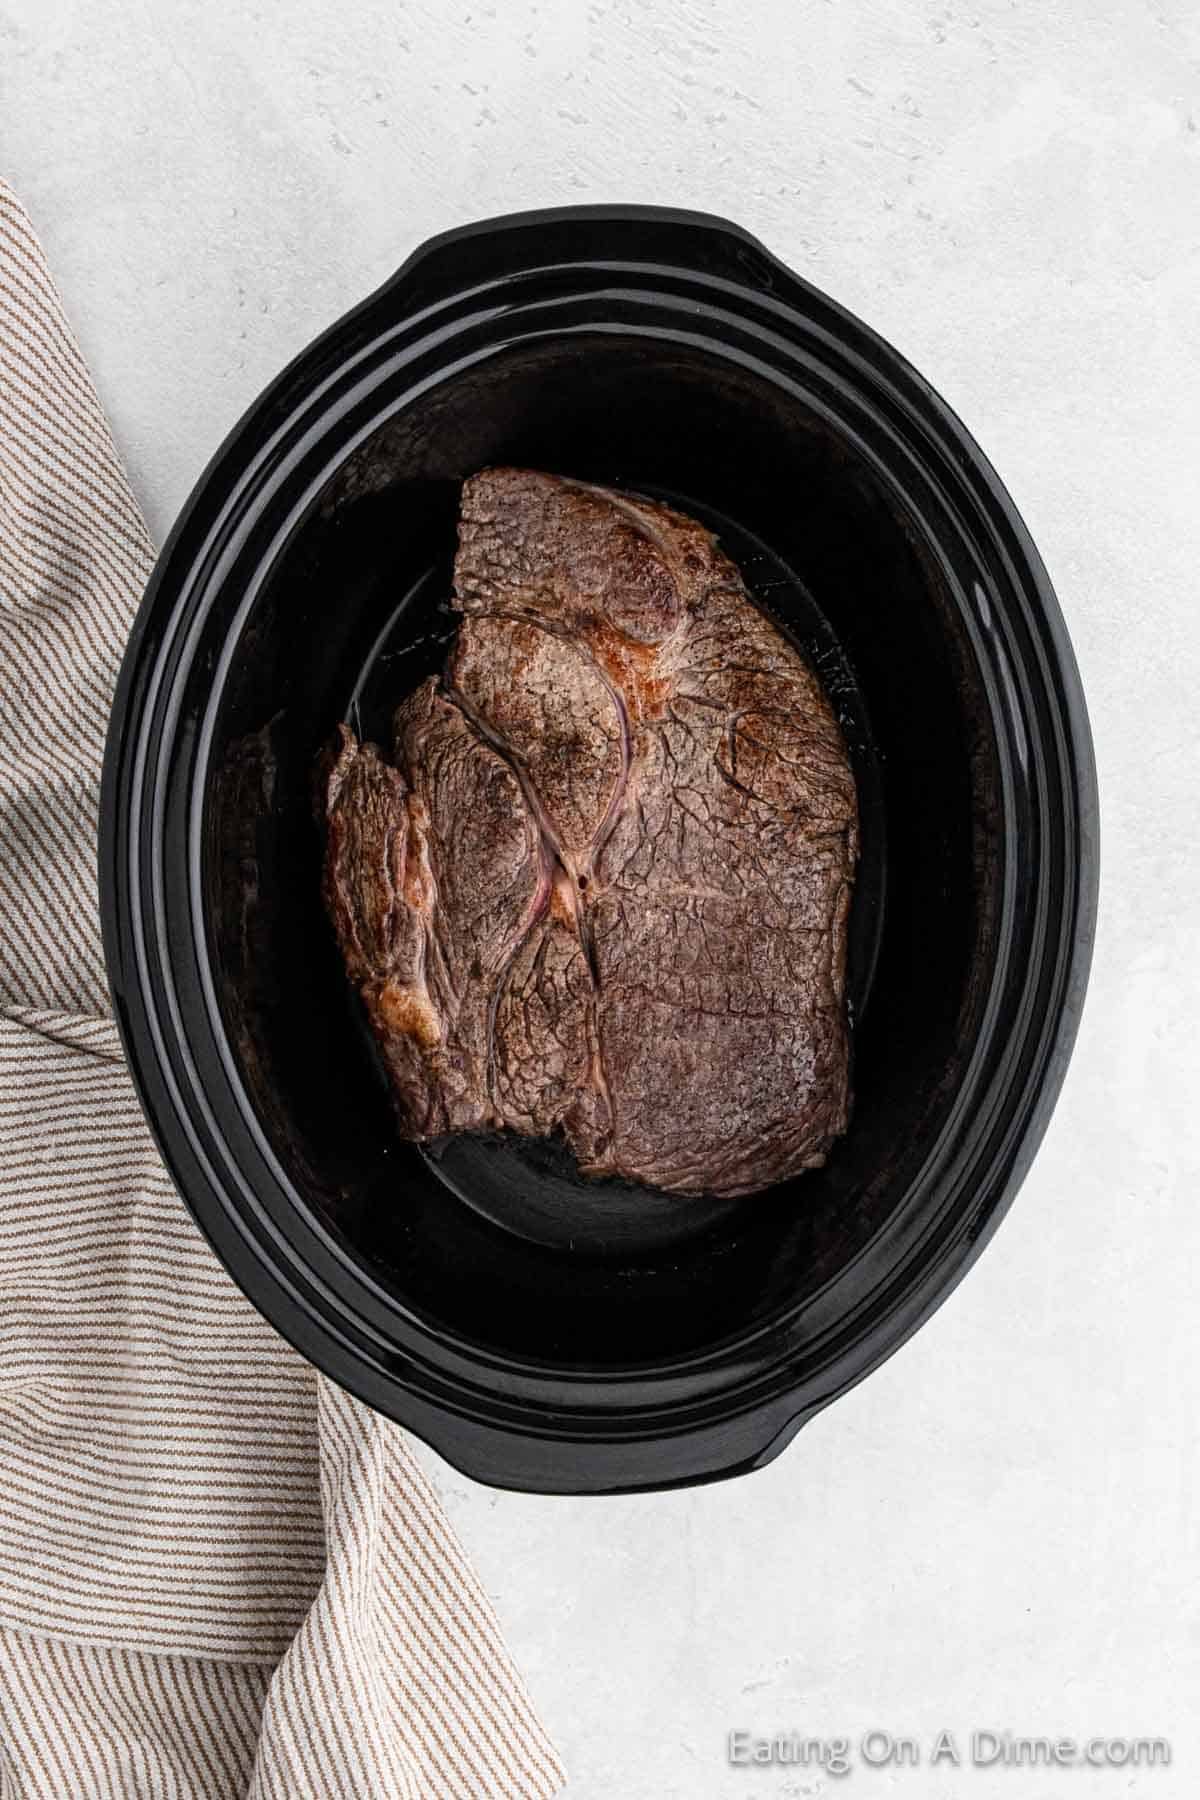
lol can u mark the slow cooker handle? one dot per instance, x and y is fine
(502, 249)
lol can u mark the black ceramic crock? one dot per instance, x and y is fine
(540, 1332)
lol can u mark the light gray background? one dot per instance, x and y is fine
(1000, 1527)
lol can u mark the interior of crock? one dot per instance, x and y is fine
(655, 417)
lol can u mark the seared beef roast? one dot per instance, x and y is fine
(602, 886)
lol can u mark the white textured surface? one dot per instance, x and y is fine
(1000, 1528)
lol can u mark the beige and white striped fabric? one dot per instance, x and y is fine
(219, 1575)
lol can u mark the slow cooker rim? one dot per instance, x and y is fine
(937, 1281)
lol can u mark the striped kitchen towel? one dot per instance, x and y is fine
(219, 1574)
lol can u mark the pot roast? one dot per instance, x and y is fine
(600, 886)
